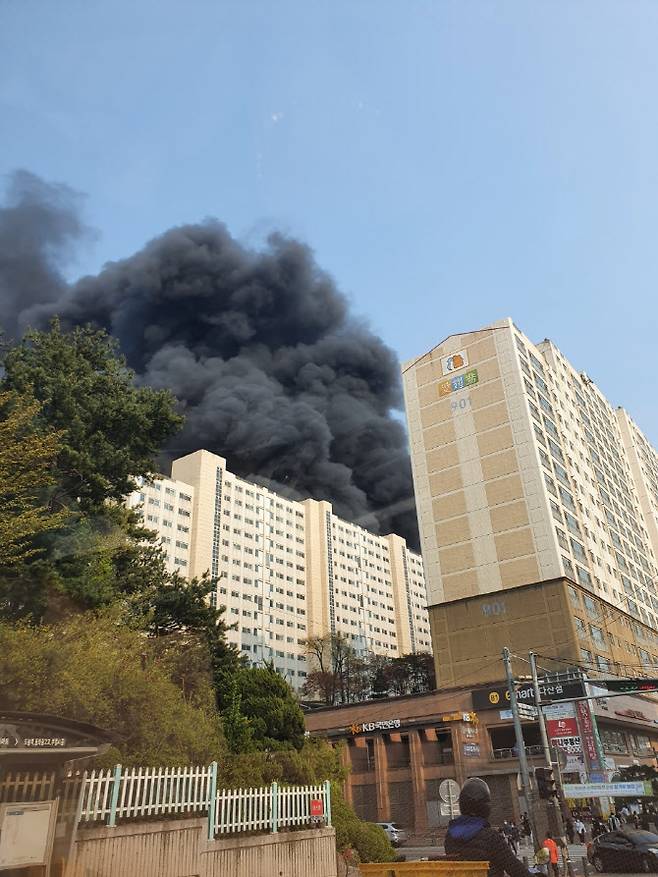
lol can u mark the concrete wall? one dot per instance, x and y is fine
(179, 848)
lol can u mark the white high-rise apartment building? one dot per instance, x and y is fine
(525, 474)
(286, 570)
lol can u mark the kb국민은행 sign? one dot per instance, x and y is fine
(366, 727)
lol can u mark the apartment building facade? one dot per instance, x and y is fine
(525, 474)
(286, 570)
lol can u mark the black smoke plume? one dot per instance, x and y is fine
(271, 369)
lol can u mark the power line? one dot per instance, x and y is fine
(591, 666)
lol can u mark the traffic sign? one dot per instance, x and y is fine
(527, 711)
(449, 792)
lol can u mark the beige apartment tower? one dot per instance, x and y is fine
(286, 569)
(525, 475)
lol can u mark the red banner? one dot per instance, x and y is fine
(587, 733)
(317, 807)
(563, 727)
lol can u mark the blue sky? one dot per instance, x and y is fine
(449, 162)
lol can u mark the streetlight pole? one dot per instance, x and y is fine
(520, 743)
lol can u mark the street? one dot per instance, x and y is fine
(576, 853)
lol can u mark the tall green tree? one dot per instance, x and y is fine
(270, 706)
(108, 431)
(111, 429)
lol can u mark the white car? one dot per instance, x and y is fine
(395, 834)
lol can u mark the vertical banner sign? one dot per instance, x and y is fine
(587, 733)
(563, 733)
(591, 689)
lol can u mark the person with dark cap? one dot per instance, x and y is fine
(471, 838)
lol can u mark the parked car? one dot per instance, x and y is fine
(395, 834)
(629, 850)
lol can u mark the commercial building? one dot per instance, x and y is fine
(400, 750)
(286, 569)
(537, 505)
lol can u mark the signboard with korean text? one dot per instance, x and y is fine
(460, 382)
(587, 734)
(607, 790)
(471, 750)
(459, 717)
(561, 720)
(367, 727)
(317, 807)
(564, 735)
(497, 697)
(12, 736)
(453, 362)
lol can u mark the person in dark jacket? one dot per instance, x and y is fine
(471, 838)
(571, 833)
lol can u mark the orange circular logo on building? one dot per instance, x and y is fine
(494, 697)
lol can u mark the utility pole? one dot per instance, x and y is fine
(540, 713)
(520, 745)
(541, 718)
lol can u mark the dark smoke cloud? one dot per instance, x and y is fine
(39, 227)
(271, 369)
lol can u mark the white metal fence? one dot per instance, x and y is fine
(130, 793)
(139, 792)
(26, 786)
(271, 808)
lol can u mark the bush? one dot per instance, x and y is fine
(95, 669)
(368, 841)
(372, 843)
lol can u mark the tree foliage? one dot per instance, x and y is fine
(95, 432)
(96, 669)
(111, 429)
(93, 625)
(269, 705)
(339, 674)
(27, 458)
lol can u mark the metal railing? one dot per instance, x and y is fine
(270, 808)
(26, 786)
(129, 793)
(500, 754)
(143, 792)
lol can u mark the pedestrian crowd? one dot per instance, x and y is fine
(471, 837)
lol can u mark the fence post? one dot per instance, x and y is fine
(327, 795)
(212, 803)
(275, 808)
(112, 815)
